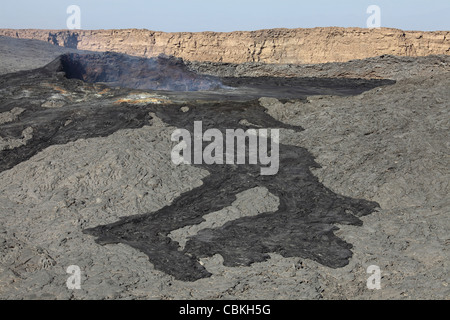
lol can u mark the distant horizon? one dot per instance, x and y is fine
(256, 30)
(233, 15)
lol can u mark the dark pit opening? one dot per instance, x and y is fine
(119, 70)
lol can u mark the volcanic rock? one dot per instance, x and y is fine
(119, 70)
(102, 160)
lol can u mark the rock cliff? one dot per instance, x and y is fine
(317, 45)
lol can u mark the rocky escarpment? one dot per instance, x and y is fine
(318, 45)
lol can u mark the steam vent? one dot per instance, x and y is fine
(119, 70)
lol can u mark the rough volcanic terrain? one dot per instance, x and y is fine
(86, 179)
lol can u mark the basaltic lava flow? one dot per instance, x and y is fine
(79, 104)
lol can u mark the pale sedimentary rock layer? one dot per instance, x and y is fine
(317, 45)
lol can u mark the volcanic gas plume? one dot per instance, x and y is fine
(119, 70)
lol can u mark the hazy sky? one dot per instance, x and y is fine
(229, 15)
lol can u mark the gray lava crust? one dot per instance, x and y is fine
(303, 225)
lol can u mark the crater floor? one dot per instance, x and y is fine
(86, 179)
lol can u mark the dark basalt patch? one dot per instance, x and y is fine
(292, 87)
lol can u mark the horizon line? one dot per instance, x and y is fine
(210, 31)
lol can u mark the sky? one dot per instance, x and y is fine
(224, 16)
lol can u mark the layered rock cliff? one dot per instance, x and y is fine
(318, 45)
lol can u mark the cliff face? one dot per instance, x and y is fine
(318, 45)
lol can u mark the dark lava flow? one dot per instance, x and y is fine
(303, 225)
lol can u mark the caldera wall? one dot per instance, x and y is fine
(318, 45)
